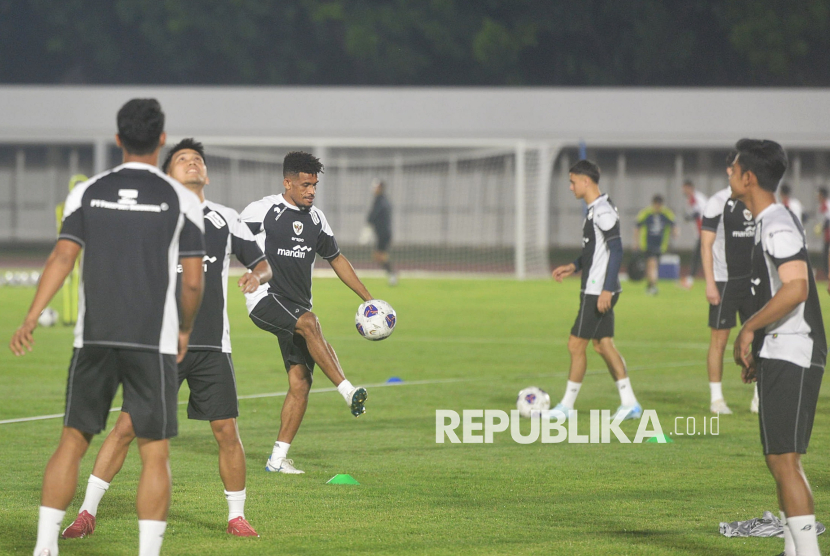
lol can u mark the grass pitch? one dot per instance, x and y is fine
(461, 344)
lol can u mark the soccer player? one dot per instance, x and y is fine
(654, 225)
(599, 262)
(695, 204)
(133, 223)
(782, 345)
(790, 202)
(380, 219)
(727, 238)
(290, 230)
(207, 367)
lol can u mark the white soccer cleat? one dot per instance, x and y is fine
(282, 465)
(753, 405)
(720, 407)
(630, 412)
(558, 412)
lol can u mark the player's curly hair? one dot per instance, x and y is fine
(297, 162)
(140, 125)
(185, 144)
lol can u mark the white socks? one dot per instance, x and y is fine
(236, 504)
(280, 450)
(150, 535)
(48, 528)
(803, 532)
(571, 392)
(716, 391)
(95, 490)
(627, 398)
(345, 388)
(789, 545)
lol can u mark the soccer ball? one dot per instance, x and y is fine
(49, 317)
(375, 319)
(532, 399)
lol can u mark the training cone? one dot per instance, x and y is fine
(342, 479)
(394, 380)
(662, 437)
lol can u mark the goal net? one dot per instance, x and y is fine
(456, 209)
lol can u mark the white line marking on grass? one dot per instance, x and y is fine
(508, 341)
(385, 384)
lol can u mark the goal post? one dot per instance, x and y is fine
(458, 207)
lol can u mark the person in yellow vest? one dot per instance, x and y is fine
(70, 286)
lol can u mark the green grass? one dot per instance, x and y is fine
(418, 497)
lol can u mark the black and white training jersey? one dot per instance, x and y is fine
(225, 235)
(734, 230)
(134, 223)
(797, 337)
(289, 237)
(602, 224)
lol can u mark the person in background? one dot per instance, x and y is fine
(655, 223)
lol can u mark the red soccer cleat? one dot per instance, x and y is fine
(83, 526)
(241, 528)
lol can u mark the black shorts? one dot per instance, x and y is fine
(735, 297)
(279, 317)
(590, 323)
(212, 382)
(384, 240)
(787, 397)
(150, 390)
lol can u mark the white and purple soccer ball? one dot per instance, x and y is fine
(532, 400)
(375, 319)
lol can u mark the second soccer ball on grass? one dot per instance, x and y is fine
(375, 319)
(532, 399)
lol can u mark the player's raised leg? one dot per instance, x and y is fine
(108, 463)
(308, 326)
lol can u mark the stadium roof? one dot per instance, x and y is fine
(625, 117)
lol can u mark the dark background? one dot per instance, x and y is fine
(417, 42)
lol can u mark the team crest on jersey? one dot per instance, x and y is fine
(298, 227)
(747, 214)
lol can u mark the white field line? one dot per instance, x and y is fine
(383, 385)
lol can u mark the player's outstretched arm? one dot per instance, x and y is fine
(345, 271)
(251, 280)
(58, 266)
(191, 299)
